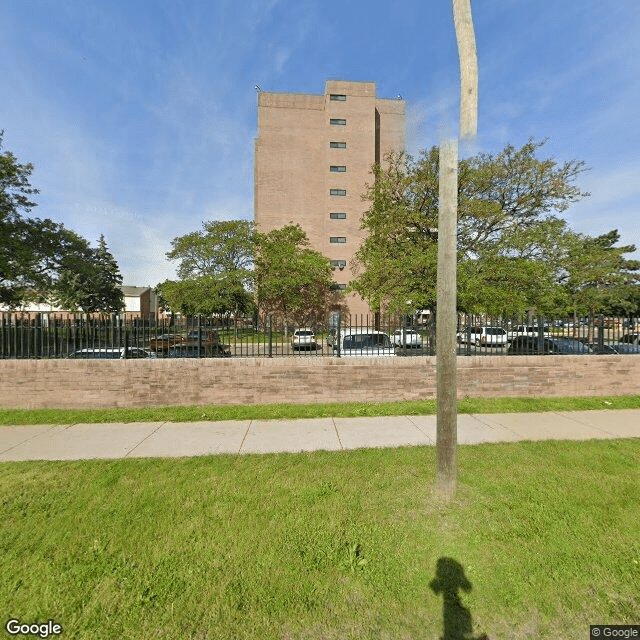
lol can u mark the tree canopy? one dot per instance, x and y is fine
(292, 280)
(514, 249)
(221, 248)
(90, 280)
(42, 259)
(205, 295)
(215, 269)
(597, 277)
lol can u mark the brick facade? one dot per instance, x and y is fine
(293, 160)
(141, 383)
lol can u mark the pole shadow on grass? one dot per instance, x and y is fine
(457, 621)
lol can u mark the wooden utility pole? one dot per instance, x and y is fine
(468, 69)
(446, 311)
(446, 318)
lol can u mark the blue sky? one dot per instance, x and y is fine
(140, 115)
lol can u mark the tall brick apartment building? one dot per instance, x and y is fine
(313, 158)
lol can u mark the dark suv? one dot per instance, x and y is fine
(532, 345)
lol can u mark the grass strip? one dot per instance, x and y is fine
(542, 539)
(319, 410)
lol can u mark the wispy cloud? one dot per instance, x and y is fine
(430, 120)
(613, 204)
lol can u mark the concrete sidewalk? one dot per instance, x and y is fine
(172, 439)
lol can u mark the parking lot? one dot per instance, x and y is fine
(87, 338)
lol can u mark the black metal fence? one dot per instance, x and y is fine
(50, 335)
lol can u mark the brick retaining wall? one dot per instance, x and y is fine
(139, 383)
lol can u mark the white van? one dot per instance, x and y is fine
(527, 330)
(364, 342)
(487, 336)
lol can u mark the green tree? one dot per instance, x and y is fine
(597, 277)
(509, 233)
(205, 295)
(222, 248)
(38, 257)
(90, 280)
(19, 268)
(215, 269)
(293, 282)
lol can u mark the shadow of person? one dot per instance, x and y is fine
(450, 578)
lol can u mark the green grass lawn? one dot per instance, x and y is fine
(318, 410)
(542, 540)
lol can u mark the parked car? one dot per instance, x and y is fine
(488, 336)
(203, 336)
(199, 351)
(571, 323)
(365, 342)
(527, 330)
(617, 348)
(532, 345)
(627, 348)
(165, 341)
(605, 349)
(111, 353)
(630, 338)
(406, 338)
(303, 339)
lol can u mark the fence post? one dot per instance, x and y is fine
(37, 338)
(338, 337)
(56, 350)
(540, 334)
(269, 325)
(600, 338)
(403, 335)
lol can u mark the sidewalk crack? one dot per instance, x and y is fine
(417, 426)
(126, 455)
(33, 437)
(244, 437)
(337, 432)
(566, 414)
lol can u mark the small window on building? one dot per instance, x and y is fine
(337, 168)
(337, 239)
(337, 121)
(338, 264)
(339, 97)
(338, 145)
(337, 192)
(338, 216)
